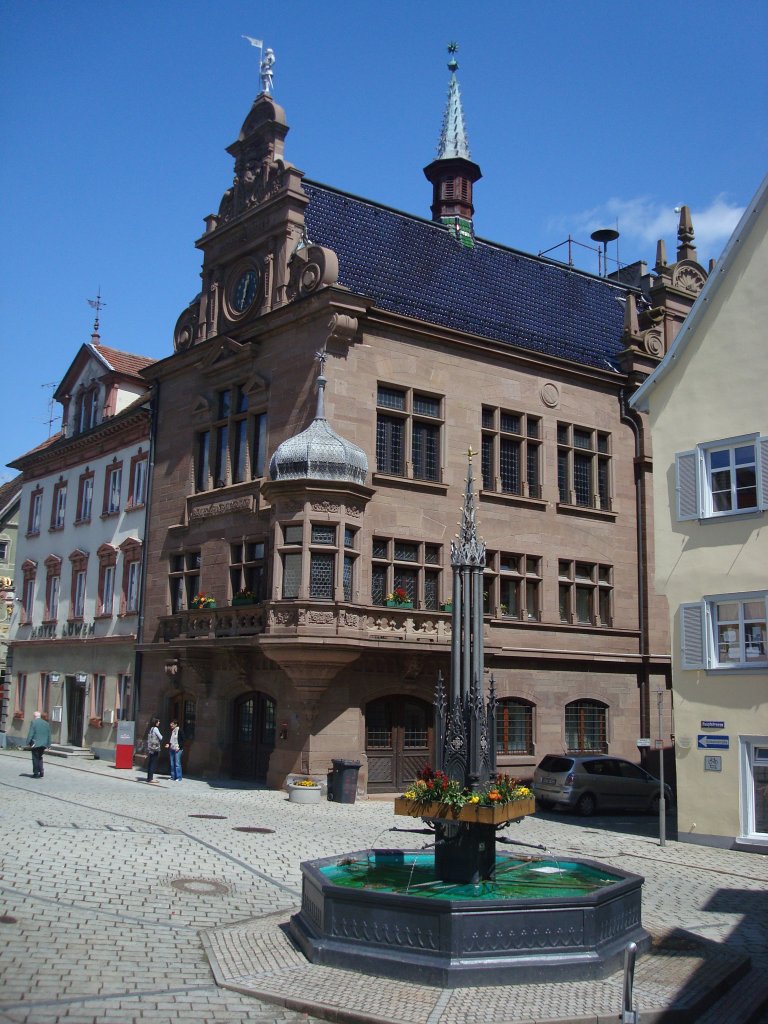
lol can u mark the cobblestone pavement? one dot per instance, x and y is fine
(113, 895)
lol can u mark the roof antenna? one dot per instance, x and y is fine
(98, 305)
(51, 418)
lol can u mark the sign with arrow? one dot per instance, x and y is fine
(707, 742)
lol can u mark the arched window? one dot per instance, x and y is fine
(514, 727)
(586, 727)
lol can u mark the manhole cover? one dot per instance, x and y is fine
(212, 817)
(7, 919)
(253, 828)
(200, 886)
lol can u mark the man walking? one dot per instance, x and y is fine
(38, 739)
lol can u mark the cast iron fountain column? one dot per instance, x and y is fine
(465, 722)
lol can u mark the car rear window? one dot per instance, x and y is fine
(553, 763)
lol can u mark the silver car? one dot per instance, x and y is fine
(591, 782)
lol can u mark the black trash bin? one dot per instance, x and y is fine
(342, 781)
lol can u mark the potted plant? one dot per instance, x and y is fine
(304, 791)
(434, 795)
(244, 597)
(202, 600)
(447, 606)
(399, 599)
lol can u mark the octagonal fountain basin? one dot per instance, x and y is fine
(384, 912)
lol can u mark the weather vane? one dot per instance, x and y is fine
(266, 63)
(98, 305)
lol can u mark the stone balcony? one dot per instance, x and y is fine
(353, 624)
(302, 618)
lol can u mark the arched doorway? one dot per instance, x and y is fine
(184, 711)
(254, 736)
(398, 741)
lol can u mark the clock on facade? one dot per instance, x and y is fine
(244, 291)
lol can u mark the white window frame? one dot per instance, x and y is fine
(133, 583)
(693, 478)
(108, 589)
(78, 604)
(698, 634)
(114, 488)
(749, 746)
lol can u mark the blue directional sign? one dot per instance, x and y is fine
(714, 742)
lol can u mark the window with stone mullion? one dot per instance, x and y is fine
(321, 573)
(509, 465)
(390, 455)
(426, 451)
(407, 580)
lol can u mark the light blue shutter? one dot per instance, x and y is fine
(762, 471)
(686, 480)
(693, 635)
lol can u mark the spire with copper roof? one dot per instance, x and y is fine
(453, 173)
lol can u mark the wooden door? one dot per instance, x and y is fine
(398, 741)
(254, 736)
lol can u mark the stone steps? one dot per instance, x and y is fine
(60, 750)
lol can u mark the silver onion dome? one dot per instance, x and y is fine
(319, 453)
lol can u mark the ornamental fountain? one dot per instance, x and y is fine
(463, 914)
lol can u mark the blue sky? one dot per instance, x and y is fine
(116, 117)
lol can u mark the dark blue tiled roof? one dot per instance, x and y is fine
(416, 268)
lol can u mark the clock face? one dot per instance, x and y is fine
(244, 291)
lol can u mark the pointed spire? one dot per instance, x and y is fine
(453, 135)
(468, 549)
(686, 250)
(452, 174)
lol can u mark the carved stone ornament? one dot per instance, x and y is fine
(688, 277)
(320, 618)
(281, 618)
(311, 267)
(221, 508)
(653, 344)
(185, 332)
(550, 395)
(255, 181)
(342, 327)
(353, 510)
(325, 506)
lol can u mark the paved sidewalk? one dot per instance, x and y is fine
(121, 902)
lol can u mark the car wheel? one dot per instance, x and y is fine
(587, 805)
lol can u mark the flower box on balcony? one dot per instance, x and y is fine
(236, 601)
(399, 604)
(447, 607)
(484, 814)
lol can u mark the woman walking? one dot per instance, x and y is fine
(154, 743)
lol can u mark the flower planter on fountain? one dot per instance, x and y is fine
(492, 814)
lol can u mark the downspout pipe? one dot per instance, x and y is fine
(138, 661)
(633, 421)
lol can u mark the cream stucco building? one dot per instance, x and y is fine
(708, 413)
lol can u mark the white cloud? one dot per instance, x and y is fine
(643, 220)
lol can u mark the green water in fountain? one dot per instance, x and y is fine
(514, 877)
